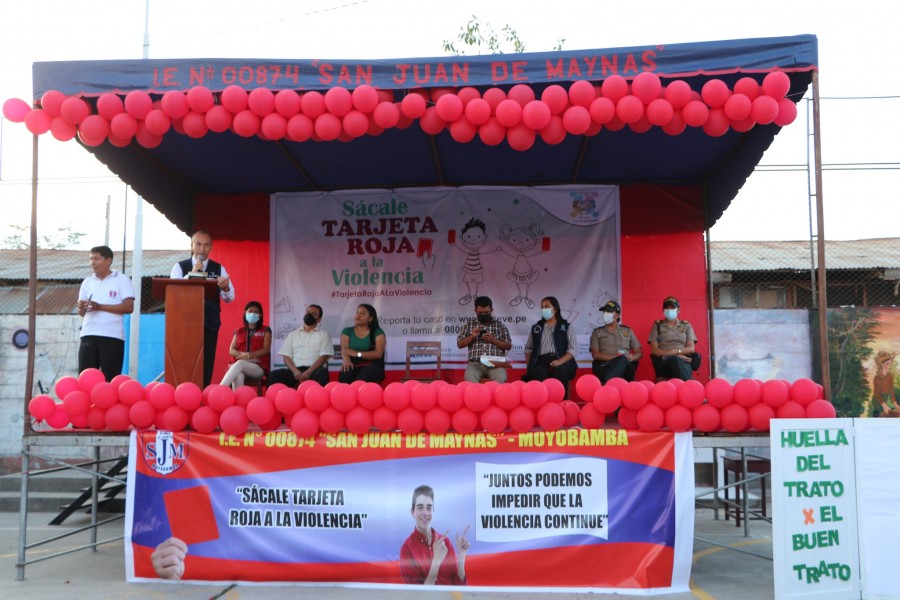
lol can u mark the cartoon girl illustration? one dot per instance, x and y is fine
(522, 243)
(472, 239)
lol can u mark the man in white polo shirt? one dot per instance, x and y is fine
(306, 351)
(103, 300)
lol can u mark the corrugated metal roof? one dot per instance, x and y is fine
(51, 300)
(878, 253)
(73, 265)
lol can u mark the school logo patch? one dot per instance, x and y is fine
(162, 453)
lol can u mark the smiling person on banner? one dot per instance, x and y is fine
(426, 557)
(199, 265)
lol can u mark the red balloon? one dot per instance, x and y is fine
(234, 421)
(288, 401)
(204, 420)
(260, 410)
(554, 132)
(76, 403)
(73, 110)
(141, 414)
(737, 107)
(634, 395)
(576, 120)
(305, 423)
(581, 93)
(651, 418)
(764, 110)
(313, 105)
(93, 130)
(396, 396)
(521, 419)
(62, 130)
(735, 418)
(145, 138)
(787, 112)
(714, 93)
(343, 397)
(104, 395)
(759, 416)
(719, 392)
(273, 126)
(629, 109)
(117, 417)
(520, 137)
(716, 123)
(477, 111)
(803, 391)
(355, 123)
(664, 395)
(743, 125)
(273, 390)
(287, 103)
(369, 396)
(521, 93)
(775, 392)
(59, 419)
(109, 105)
(450, 398)
(572, 412)
(15, 109)
(413, 105)
(386, 115)
(590, 417)
(556, 391)
(820, 409)
(41, 407)
(465, 421)
(492, 132)
(586, 387)
(233, 97)
(691, 394)
(534, 395)
(220, 398)
(245, 123)
(647, 87)
(424, 397)
(175, 104)
(508, 113)
(556, 98)
(338, 101)
(200, 99)
(676, 126)
(175, 419)
(551, 417)
(410, 420)
(614, 87)
(327, 127)
(747, 392)
(679, 418)
(131, 392)
(617, 383)
(119, 380)
(299, 128)
(507, 396)
(659, 112)
(535, 114)
(678, 93)
(790, 410)
(359, 420)
(627, 418)
(316, 399)
(96, 418)
(747, 86)
(602, 110)
(66, 384)
(494, 419)
(261, 101)
(493, 96)
(463, 131)
(37, 121)
(776, 84)
(138, 103)
(243, 395)
(707, 418)
(449, 107)
(162, 396)
(437, 420)
(695, 113)
(607, 399)
(430, 122)
(158, 122)
(194, 125)
(89, 378)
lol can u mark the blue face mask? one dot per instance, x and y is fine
(670, 313)
(251, 317)
(546, 313)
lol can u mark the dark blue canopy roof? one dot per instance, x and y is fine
(170, 175)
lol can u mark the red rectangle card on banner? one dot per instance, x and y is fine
(190, 513)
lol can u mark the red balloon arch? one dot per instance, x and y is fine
(495, 115)
(88, 402)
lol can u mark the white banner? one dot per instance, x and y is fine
(420, 256)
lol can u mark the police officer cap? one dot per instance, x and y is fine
(671, 301)
(611, 306)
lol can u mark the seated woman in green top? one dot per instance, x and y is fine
(362, 348)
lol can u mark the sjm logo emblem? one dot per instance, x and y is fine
(163, 455)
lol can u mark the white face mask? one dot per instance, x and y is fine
(608, 317)
(671, 313)
(546, 313)
(251, 317)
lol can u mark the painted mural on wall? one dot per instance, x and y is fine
(762, 344)
(863, 347)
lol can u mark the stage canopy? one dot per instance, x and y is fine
(177, 169)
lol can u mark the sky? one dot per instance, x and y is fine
(860, 94)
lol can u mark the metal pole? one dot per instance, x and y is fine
(32, 287)
(146, 53)
(137, 273)
(820, 226)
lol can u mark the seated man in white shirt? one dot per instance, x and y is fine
(306, 351)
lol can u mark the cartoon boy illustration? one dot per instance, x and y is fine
(522, 243)
(472, 239)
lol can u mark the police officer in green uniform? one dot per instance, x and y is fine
(614, 347)
(672, 344)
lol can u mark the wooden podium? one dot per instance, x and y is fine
(184, 325)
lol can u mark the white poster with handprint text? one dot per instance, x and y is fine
(421, 256)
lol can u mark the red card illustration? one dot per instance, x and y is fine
(545, 244)
(191, 517)
(451, 236)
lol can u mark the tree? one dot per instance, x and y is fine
(851, 332)
(63, 239)
(482, 37)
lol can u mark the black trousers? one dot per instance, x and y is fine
(542, 370)
(671, 367)
(210, 337)
(371, 372)
(616, 367)
(100, 352)
(285, 376)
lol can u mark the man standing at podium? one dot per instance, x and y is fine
(200, 265)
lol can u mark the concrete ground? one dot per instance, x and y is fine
(726, 566)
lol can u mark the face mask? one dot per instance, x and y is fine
(251, 317)
(608, 317)
(309, 319)
(485, 319)
(671, 313)
(546, 313)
